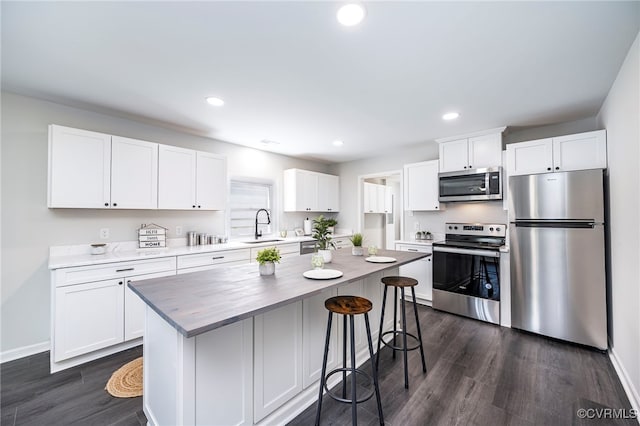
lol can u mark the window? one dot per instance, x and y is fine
(245, 199)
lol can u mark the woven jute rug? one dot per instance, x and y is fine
(126, 381)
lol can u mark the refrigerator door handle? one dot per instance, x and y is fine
(555, 224)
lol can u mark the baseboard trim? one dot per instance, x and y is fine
(24, 351)
(627, 384)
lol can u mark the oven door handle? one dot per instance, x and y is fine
(473, 252)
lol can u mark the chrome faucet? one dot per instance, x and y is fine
(259, 234)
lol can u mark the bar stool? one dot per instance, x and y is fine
(348, 306)
(400, 282)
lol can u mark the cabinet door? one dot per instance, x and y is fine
(328, 193)
(530, 157)
(278, 358)
(314, 334)
(79, 168)
(485, 151)
(453, 155)
(421, 186)
(381, 198)
(388, 199)
(211, 182)
(176, 178)
(369, 197)
(420, 270)
(134, 174)
(580, 152)
(88, 317)
(134, 306)
(300, 190)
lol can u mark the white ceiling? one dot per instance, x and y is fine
(289, 72)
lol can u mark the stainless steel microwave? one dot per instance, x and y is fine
(471, 185)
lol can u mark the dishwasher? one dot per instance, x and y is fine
(307, 247)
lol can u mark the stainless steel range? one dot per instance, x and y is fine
(466, 270)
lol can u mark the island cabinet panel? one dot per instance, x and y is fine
(134, 307)
(314, 334)
(277, 359)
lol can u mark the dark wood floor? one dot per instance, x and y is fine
(478, 374)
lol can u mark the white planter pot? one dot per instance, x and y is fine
(267, 268)
(357, 251)
(326, 254)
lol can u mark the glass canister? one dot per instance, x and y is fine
(317, 261)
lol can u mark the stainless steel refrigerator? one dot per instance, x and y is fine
(557, 245)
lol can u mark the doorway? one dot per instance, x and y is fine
(380, 208)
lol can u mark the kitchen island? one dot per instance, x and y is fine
(228, 346)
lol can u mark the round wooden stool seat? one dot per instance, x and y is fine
(348, 305)
(399, 281)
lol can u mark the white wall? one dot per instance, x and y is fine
(29, 228)
(620, 115)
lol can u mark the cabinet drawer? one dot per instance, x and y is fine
(411, 247)
(213, 258)
(85, 274)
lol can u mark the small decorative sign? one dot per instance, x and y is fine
(152, 236)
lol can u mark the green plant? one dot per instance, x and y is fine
(331, 222)
(270, 254)
(321, 233)
(356, 240)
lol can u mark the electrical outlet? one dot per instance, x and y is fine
(178, 231)
(104, 233)
(416, 226)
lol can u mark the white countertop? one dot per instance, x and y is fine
(79, 255)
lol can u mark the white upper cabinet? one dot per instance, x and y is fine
(421, 186)
(191, 180)
(95, 170)
(134, 174)
(211, 181)
(307, 191)
(573, 152)
(377, 198)
(472, 152)
(79, 168)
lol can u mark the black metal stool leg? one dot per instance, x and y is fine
(354, 400)
(404, 339)
(374, 370)
(395, 319)
(384, 302)
(344, 356)
(324, 368)
(415, 310)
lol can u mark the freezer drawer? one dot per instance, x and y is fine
(558, 286)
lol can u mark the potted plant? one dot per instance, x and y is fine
(356, 240)
(266, 259)
(323, 237)
(331, 223)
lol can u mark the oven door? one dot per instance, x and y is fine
(467, 282)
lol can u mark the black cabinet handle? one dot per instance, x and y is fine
(548, 168)
(198, 206)
(106, 204)
(125, 269)
(465, 167)
(120, 283)
(194, 206)
(217, 257)
(436, 207)
(557, 168)
(115, 204)
(412, 249)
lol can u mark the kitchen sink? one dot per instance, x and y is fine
(262, 241)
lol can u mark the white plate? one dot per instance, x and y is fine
(322, 274)
(380, 259)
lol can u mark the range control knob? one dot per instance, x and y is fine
(491, 229)
(450, 227)
(455, 227)
(498, 229)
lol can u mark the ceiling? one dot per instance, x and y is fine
(288, 72)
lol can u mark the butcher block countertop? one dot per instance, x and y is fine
(198, 302)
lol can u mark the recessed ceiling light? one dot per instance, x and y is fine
(351, 14)
(450, 116)
(215, 101)
(338, 143)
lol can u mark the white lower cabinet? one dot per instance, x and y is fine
(314, 334)
(210, 260)
(94, 313)
(421, 270)
(88, 317)
(278, 358)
